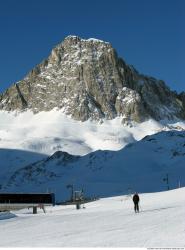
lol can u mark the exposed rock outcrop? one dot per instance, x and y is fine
(88, 80)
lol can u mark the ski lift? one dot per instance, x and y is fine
(166, 179)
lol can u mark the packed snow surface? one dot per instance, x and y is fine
(108, 222)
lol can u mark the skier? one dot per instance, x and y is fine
(136, 202)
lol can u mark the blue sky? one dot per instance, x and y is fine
(148, 34)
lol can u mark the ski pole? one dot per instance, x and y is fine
(140, 206)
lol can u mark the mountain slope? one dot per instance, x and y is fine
(140, 166)
(13, 159)
(87, 80)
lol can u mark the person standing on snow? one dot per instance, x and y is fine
(136, 202)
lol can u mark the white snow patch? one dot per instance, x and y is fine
(95, 40)
(24, 130)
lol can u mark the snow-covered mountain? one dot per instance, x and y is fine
(84, 98)
(85, 80)
(23, 143)
(139, 166)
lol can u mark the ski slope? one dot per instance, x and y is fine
(108, 222)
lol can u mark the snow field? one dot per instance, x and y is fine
(47, 132)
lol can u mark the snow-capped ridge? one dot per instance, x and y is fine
(64, 156)
(85, 40)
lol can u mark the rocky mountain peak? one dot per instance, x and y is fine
(87, 80)
(78, 49)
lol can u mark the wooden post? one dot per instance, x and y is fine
(77, 205)
(179, 184)
(34, 210)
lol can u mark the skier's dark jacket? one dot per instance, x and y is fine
(136, 198)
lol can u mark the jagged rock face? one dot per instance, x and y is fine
(87, 80)
(182, 98)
